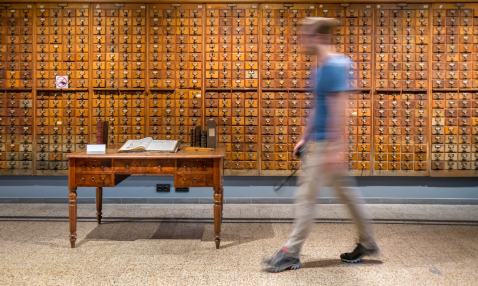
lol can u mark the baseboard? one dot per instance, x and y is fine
(235, 201)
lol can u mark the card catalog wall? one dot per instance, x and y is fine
(160, 69)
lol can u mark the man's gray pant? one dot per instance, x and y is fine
(311, 181)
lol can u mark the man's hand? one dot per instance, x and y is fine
(298, 146)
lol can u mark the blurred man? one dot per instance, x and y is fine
(322, 166)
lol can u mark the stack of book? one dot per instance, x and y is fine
(204, 138)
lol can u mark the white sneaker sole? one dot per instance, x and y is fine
(276, 270)
(374, 254)
(354, 260)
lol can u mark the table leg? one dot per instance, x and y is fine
(73, 214)
(217, 216)
(222, 203)
(99, 203)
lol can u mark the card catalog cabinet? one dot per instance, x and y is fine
(161, 69)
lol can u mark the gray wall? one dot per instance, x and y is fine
(243, 187)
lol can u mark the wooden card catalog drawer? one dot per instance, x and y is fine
(193, 180)
(153, 166)
(195, 166)
(93, 180)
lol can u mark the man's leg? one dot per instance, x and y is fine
(304, 201)
(347, 189)
(310, 182)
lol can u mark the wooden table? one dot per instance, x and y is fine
(189, 168)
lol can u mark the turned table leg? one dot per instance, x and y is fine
(73, 214)
(217, 216)
(99, 203)
(222, 203)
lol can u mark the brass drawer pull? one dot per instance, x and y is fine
(194, 167)
(93, 179)
(93, 166)
(144, 167)
(184, 179)
(195, 179)
(83, 179)
(127, 166)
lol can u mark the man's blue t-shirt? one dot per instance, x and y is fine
(331, 78)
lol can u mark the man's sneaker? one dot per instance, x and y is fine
(358, 254)
(281, 262)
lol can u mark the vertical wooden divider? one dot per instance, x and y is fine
(34, 90)
(372, 97)
(90, 73)
(203, 73)
(259, 90)
(429, 90)
(146, 91)
(313, 80)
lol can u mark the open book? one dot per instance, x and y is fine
(150, 145)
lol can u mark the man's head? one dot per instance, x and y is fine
(317, 34)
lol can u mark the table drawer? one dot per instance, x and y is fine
(93, 165)
(93, 180)
(195, 166)
(193, 180)
(152, 166)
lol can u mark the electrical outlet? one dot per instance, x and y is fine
(164, 188)
(182, 190)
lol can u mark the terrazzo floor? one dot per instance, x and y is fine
(174, 245)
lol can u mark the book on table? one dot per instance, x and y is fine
(149, 145)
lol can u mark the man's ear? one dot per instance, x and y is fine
(324, 39)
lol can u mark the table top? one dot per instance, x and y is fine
(111, 152)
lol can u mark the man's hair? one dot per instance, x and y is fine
(319, 25)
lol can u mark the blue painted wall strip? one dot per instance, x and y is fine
(243, 187)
